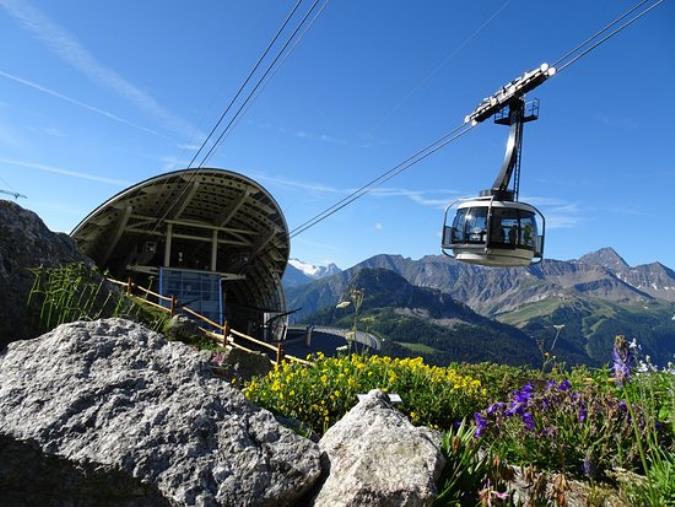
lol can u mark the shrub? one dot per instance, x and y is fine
(320, 395)
(500, 380)
(583, 433)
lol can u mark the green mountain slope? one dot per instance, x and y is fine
(592, 323)
(422, 321)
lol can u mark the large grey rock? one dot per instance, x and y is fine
(113, 408)
(182, 328)
(376, 457)
(25, 242)
(241, 365)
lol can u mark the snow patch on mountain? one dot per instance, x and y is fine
(309, 269)
(313, 271)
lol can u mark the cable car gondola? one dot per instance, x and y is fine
(494, 228)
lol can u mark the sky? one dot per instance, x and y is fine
(96, 96)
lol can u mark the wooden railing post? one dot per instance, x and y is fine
(174, 305)
(130, 285)
(280, 353)
(226, 331)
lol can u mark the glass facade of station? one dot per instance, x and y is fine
(199, 290)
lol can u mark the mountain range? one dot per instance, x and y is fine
(594, 297)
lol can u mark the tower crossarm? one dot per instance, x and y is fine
(509, 93)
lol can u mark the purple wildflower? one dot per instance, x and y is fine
(524, 395)
(520, 401)
(528, 421)
(496, 407)
(582, 412)
(588, 467)
(481, 424)
(217, 359)
(502, 496)
(622, 357)
(515, 409)
(565, 385)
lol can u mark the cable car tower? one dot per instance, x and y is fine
(494, 228)
(16, 195)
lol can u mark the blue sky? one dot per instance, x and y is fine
(95, 96)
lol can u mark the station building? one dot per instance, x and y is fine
(215, 239)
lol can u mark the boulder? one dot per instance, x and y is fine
(110, 413)
(182, 328)
(240, 365)
(374, 456)
(25, 242)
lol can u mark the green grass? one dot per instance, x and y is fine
(530, 311)
(79, 292)
(420, 348)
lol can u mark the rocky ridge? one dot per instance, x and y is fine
(25, 243)
(493, 291)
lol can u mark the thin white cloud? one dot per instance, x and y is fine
(303, 134)
(170, 163)
(76, 102)
(438, 199)
(65, 172)
(70, 50)
(297, 185)
(378, 226)
(9, 137)
(189, 146)
(559, 213)
(616, 122)
(50, 131)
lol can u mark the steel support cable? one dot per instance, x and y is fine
(377, 180)
(440, 65)
(411, 161)
(608, 36)
(297, 40)
(186, 187)
(391, 173)
(246, 81)
(258, 84)
(599, 32)
(236, 95)
(278, 66)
